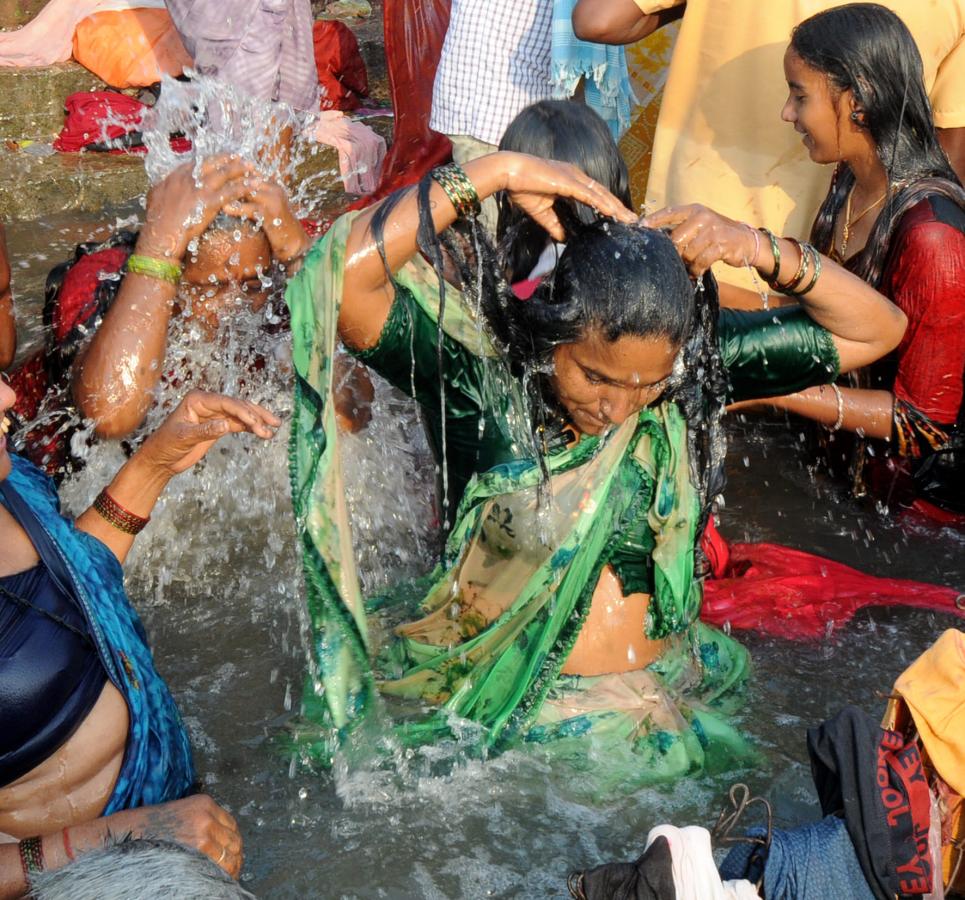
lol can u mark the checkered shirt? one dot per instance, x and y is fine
(495, 62)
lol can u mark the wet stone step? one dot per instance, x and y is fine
(32, 100)
(31, 109)
(37, 186)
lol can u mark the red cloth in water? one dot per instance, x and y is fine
(95, 117)
(341, 69)
(414, 33)
(774, 590)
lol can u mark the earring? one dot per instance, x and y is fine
(856, 117)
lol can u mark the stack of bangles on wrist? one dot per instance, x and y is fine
(115, 514)
(161, 269)
(810, 263)
(459, 189)
(31, 856)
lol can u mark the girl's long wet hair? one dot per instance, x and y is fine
(867, 49)
(567, 131)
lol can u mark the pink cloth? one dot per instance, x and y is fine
(48, 38)
(360, 149)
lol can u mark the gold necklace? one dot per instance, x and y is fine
(849, 223)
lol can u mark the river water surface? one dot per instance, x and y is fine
(217, 582)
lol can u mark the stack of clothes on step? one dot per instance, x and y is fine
(891, 799)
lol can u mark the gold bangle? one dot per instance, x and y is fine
(162, 269)
(816, 261)
(802, 270)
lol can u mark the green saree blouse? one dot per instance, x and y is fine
(502, 611)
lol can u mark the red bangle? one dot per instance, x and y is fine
(68, 849)
(121, 518)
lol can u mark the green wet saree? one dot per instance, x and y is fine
(492, 633)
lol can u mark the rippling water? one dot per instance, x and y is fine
(218, 584)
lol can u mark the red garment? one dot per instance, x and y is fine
(925, 278)
(795, 595)
(414, 33)
(95, 118)
(341, 69)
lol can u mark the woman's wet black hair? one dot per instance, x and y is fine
(567, 131)
(867, 49)
(619, 280)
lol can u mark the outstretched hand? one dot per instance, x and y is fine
(535, 184)
(703, 237)
(199, 420)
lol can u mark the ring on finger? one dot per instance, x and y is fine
(224, 853)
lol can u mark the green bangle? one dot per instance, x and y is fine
(460, 191)
(776, 250)
(154, 268)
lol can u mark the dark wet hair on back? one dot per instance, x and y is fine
(867, 49)
(566, 131)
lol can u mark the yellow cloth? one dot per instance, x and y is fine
(648, 61)
(933, 688)
(720, 139)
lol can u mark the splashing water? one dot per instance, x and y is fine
(217, 119)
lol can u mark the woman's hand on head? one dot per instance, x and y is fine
(535, 184)
(703, 237)
(182, 206)
(266, 203)
(199, 420)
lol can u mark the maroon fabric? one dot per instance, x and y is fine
(414, 33)
(925, 277)
(795, 595)
(96, 117)
(75, 298)
(341, 69)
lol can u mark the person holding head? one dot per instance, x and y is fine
(92, 742)
(581, 429)
(111, 309)
(894, 216)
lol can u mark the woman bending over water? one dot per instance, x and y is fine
(547, 619)
(895, 216)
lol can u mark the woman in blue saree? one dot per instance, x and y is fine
(91, 742)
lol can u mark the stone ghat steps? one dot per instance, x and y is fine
(31, 108)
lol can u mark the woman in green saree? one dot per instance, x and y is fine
(585, 424)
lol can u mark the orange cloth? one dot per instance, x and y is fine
(933, 687)
(131, 47)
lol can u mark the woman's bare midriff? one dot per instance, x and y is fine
(75, 783)
(613, 638)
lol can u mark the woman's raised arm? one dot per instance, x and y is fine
(533, 185)
(864, 324)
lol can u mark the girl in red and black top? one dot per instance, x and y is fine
(895, 216)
